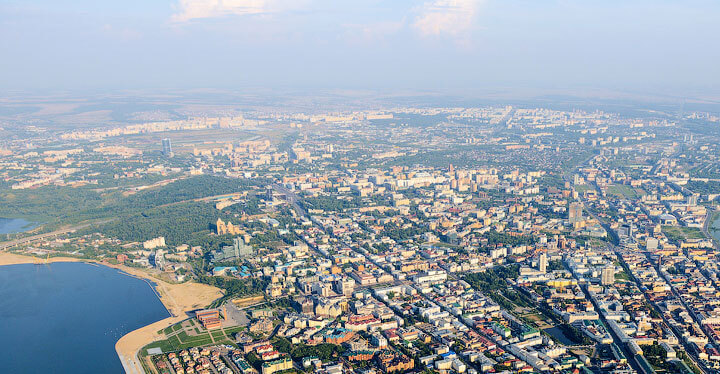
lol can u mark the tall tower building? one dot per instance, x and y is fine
(608, 276)
(542, 262)
(575, 213)
(167, 148)
(240, 248)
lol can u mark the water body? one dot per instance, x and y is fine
(13, 225)
(66, 317)
(558, 334)
(714, 227)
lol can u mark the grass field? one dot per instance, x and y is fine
(231, 330)
(218, 334)
(582, 188)
(183, 341)
(170, 329)
(623, 191)
(622, 276)
(677, 233)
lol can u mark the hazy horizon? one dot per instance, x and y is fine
(654, 47)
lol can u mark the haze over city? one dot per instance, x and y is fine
(360, 187)
(668, 47)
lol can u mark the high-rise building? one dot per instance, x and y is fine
(608, 276)
(167, 147)
(241, 249)
(542, 262)
(232, 252)
(575, 213)
(159, 259)
(577, 179)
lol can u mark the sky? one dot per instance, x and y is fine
(637, 45)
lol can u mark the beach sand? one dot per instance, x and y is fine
(179, 299)
(7, 258)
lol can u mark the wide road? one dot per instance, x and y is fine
(706, 228)
(631, 359)
(622, 346)
(292, 198)
(39, 237)
(690, 354)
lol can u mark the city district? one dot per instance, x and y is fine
(442, 240)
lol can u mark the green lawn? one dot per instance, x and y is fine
(185, 338)
(677, 233)
(622, 275)
(581, 188)
(174, 343)
(167, 345)
(234, 329)
(170, 329)
(218, 334)
(623, 191)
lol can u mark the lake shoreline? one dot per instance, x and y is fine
(178, 299)
(713, 227)
(17, 225)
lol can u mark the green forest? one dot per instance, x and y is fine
(493, 279)
(704, 188)
(177, 223)
(67, 205)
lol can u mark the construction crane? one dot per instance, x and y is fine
(39, 261)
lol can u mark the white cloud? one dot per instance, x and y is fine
(446, 17)
(195, 9)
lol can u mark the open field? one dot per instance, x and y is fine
(623, 191)
(582, 188)
(681, 233)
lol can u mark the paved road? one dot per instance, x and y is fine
(690, 355)
(632, 360)
(292, 198)
(35, 238)
(615, 249)
(706, 229)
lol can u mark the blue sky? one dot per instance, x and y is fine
(658, 45)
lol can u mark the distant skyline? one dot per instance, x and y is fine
(653, 46)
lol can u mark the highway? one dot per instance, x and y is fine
(706, 228)
(39, 237)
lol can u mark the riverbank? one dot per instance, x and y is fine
(712, 228)
(179, 299)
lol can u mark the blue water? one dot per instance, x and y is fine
(13, 225)
(66, 317)
(714, 228)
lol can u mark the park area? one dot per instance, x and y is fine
(624, 192)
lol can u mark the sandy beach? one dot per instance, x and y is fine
(177, 298)
(7, 258)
